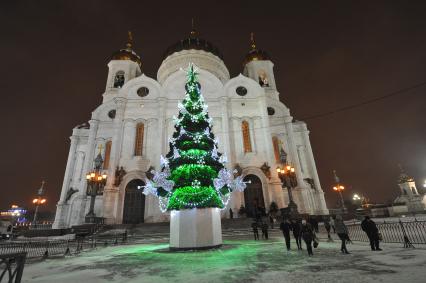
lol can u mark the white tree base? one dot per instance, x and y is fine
(197, 228)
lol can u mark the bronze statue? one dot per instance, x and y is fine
(266, 169)
(119, 174)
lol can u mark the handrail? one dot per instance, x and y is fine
(12, 267)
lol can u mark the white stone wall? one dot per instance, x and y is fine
(156, 111)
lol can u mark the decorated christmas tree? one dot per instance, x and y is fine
(193, 173)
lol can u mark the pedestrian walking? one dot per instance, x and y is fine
(308, 236)
(285, 227)
(314, 222)
(254, 226)
(370, 228)
(327, 227)
(271, 221)
(342, 232)
(296, 226)
(264, 231)
(332, 224)
(231, 213)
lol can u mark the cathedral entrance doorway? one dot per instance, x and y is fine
(134, 203)
(253, 196)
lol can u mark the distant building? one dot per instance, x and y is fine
(409, 200)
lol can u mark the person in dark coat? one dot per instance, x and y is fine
(327, 227)
(231, 213)
(308, 236)
(342, 232)
(265, 230)
(271, 221)
(370, 228)
(285, 227)
(254, 226)
(332, 224)
(296, 227)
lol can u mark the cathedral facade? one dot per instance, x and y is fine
(132, 126)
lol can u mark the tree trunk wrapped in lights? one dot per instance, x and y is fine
(193, 173)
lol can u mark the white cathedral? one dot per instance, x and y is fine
(132, 126)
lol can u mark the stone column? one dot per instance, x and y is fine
(60, 216)
(110, 196)
(293, 150)
(238, 138)
(87, 166)
(69, 168)
(311, 160)
(129, 134)
(270, 156)
(225, 129)
(90, 150)
(162, 126)
(319, 193)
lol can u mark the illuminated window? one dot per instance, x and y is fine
(276, 144)
(263, 79)
(107, 154)
(139, 139)
(246, 136)
(119, 79)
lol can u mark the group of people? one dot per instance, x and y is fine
(301, 230)
(306, 230)
(263, 227)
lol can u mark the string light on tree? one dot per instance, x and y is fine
(193, 173)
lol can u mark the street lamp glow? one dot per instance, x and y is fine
(356, 197)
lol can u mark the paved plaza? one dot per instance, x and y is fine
(240, 260)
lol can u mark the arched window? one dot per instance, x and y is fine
(246, 136)
(119, 79)
(107, 154)
(263, 79)
(276, 144)
(139, 139)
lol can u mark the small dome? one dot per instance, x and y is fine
(193, 42)
(255, 54)
(127, 53)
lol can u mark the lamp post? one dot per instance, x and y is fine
(96, 180)
(356, 198)
(39, 200)
(339, 188)
(288, 178)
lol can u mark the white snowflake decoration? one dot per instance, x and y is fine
(164, 162)
(223, 158)
(175, 153)
(224, 178)
(238, 184)
(149, 188)
(214, 152)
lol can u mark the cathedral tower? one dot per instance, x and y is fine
(124, 65)
(259, 67)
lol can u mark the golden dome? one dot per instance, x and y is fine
(193, 42)
(255, 54)
(127, 53)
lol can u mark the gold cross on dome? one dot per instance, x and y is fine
(253, 43)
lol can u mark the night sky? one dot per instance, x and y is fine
(327, 55)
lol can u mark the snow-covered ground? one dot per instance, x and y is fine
(238, 261)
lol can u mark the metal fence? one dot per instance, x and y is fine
(12, 267)
(407, 233)
(44, 249)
